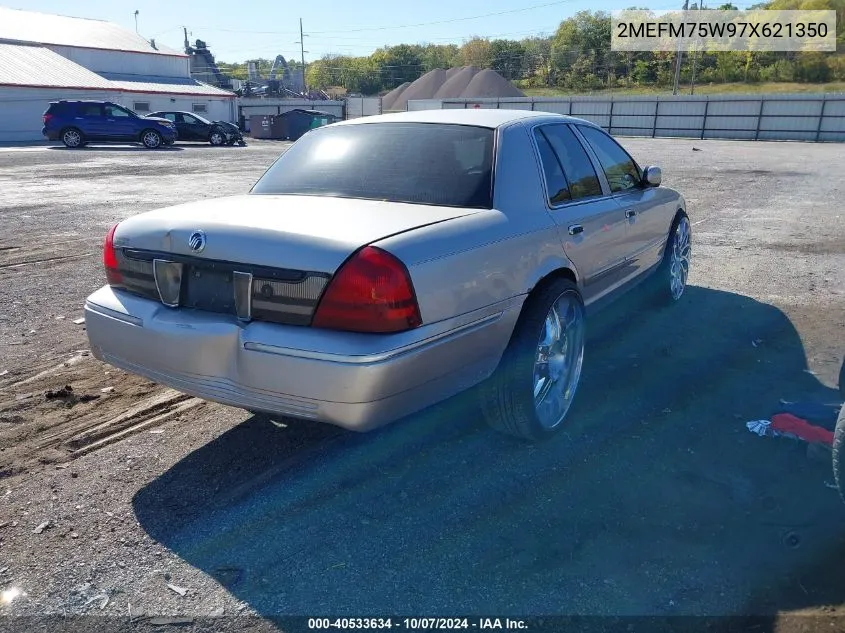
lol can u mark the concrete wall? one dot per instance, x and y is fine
(21, 109)
(216, 108)
(357, 107)
(804, 117)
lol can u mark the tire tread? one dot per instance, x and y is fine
(838, 445)
(503, 404)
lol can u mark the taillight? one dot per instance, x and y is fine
(47, 118)
(113, 275)
(372, 292)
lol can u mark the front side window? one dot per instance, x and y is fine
(417, 163)
(621, 170)
(114, 111)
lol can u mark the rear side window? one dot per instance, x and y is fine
(582, 177)
(90, 109)
(621, 170)
(421, 163)
(557, 189)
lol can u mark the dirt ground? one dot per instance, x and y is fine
(657, 501)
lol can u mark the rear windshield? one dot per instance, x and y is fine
(421, 163)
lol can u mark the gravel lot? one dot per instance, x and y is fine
(657, 501)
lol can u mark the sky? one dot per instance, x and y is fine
(236, 32)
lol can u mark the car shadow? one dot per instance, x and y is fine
(115, 148)
(656, 500)
(184, 144)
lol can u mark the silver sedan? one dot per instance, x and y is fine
(384, 264)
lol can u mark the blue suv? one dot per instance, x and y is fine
(77, 123)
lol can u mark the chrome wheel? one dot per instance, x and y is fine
(557, 366)
(72, 138)
(217, 138)
(679, 258)
(151, 139)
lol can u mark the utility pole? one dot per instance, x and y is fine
(694, 58)
(302, 55)
(136, 20)
(678, 59)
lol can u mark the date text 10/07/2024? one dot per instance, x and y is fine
(417, 623)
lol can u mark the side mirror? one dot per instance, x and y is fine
(652, 176)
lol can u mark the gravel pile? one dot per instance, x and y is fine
(466, 82)
(388, 100)
(455, 85)
(422, 88)
(489, 83)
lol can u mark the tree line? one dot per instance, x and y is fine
(578, 57)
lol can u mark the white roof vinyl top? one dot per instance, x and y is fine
(35, 66)
(18, 26)
(482, 117)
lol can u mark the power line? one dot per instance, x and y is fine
(439, 42)
(444, 39)
(398, 26)
(403, 26)
(450, 21)
(612, 59)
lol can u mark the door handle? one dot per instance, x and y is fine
(630, 213)
(575, 229)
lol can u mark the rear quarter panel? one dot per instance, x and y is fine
(493, 256)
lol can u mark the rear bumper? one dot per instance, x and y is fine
(356, 381)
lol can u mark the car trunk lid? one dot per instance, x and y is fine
(293, 232)
(256, 256)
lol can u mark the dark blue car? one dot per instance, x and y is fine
(77, 123)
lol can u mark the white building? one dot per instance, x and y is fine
(45, 58)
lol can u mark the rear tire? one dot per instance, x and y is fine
(151, 139)
(73, 138)
(531, 391)
(838, 457)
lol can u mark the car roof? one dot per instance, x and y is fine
(481, 117)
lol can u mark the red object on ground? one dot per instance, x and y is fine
(788, 423)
